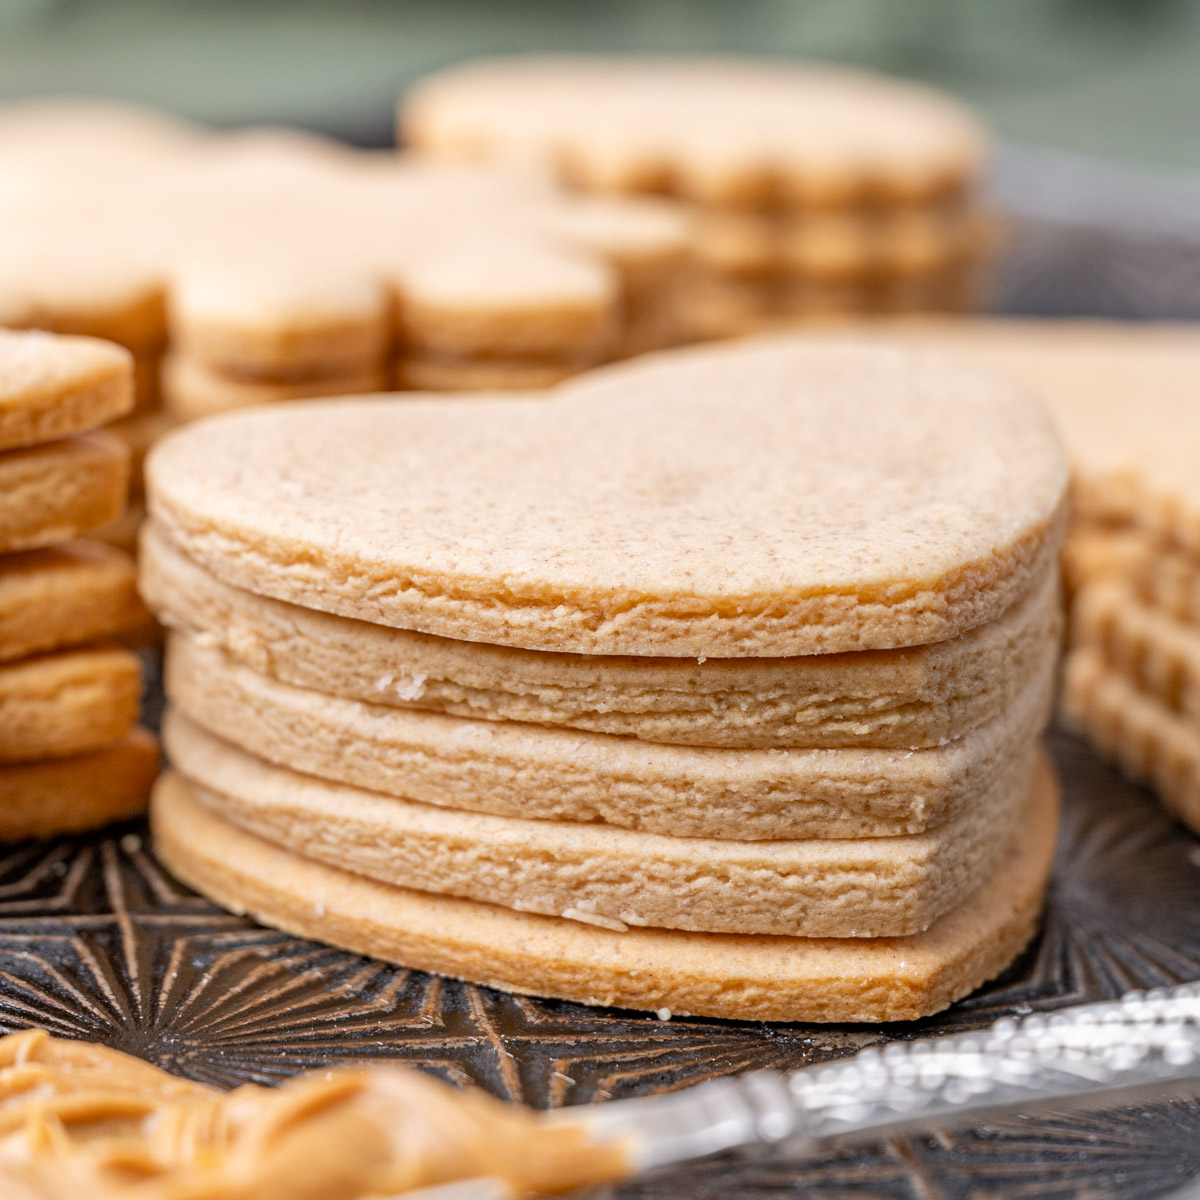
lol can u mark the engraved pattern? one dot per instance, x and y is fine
(96, 941)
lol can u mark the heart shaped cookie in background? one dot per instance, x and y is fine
(1124, 396)
(805, 537)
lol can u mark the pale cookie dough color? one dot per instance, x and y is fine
(85, 791)
(913, 697)
(720, 975)
(58, 490)
(51, 387)
(614, 878)
(1124, 395)
(848, 498)
(721, 132)
(510, 768)
(1150, 740)
(69, 702)
(64, 596)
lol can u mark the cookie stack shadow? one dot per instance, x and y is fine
(71, 755)
(675, 724)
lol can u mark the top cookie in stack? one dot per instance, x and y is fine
(714, 686)
(70, 757)
(815, 190)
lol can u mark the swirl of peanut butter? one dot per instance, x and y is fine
(82, 1121)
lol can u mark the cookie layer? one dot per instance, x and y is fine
(723, 132)
(1160, 654)
(479, 375)
(139, 433)
(1161, 575)
(52, 387)
(69, 795)
(55, 491)
(1150, 742)
(853, 498)
(516, 770)
(68, 702)
(64, 596)
(192, 389)
(719, 975)
(191, 241)
(863, 887)
(907, 698)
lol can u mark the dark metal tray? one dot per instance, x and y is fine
(98, 942)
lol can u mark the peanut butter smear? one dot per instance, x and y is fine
(79, 1120)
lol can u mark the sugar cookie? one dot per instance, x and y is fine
(643, 513)
(511, 769)
(919, 696)
(52, 387)
(57, 490)
(1154, 745)
(68, 702)
(857, 887)
(85, 791)
(721, 975)
(724, 132)
(64, 596)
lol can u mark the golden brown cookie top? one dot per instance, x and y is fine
(52, 387)
(725, 132)
(795, 499)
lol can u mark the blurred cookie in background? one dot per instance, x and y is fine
(814, 190)
(268, 264)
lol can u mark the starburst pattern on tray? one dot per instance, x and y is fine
(97, 942)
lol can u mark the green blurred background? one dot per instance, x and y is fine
(1119, 78)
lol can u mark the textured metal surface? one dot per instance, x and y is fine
(97, 942)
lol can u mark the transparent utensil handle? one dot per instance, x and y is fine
(1089, 1054)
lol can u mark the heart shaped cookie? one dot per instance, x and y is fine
(800, 500)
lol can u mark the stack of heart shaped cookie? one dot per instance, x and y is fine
(713, 685)
(70, 755)
(1124, 395)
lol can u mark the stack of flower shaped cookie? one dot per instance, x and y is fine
(86, 283)
(70, 756)
(267, 265)
(814, 190)
(714, 685)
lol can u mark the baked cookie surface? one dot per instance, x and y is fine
(851, 498)
(64, 596)
(70, 795)
(58, 490)
(52, 387)
(68, 702)
(725, 132)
